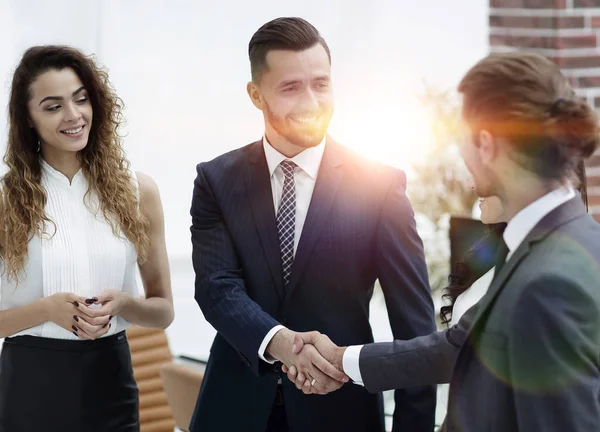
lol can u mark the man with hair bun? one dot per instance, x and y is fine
(526, 357)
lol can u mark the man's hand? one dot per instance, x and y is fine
(331, 352)
(320, 376)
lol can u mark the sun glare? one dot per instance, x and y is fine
(396, 135)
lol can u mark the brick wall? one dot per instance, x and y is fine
(568, 32)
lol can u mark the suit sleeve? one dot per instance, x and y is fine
(553, 357)
(424, 360)
(402, 273)
(219, 288)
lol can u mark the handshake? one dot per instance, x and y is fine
(311, 360)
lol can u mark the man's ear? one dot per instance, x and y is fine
(487, 146)
(255, 95)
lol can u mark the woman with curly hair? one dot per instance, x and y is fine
(74, 221)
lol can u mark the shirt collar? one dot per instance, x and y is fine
(52, 174)
(308, 160)
(524, 221)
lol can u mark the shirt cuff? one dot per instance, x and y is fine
(263, 346)
(350, 363)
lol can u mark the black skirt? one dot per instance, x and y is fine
(57, 385)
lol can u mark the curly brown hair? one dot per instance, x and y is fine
(103, 162)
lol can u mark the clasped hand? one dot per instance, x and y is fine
(314, 345)
(75, 314)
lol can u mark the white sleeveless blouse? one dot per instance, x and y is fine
(81, 256)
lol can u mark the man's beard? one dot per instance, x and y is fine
(305, 137)
(486, 184)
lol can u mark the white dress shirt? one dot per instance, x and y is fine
(516, 231)
(307, 163)
(524, 221)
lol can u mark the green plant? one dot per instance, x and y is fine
(438, 185)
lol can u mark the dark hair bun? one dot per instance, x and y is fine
(574, 124)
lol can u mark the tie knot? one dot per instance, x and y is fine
(288, 168)
(501, 256)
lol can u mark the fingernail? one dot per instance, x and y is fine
(76, 304)
(110, 317)
(75, 318)
(74, 328)
(75, 333)
(91, 300)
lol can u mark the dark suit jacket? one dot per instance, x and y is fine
(530, 361)
(359, 228)
(531, 358)
(424, 360)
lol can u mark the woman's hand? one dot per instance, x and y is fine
(91, 328)
(64, 310)
(112, 303)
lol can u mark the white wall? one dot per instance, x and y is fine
(181, 67)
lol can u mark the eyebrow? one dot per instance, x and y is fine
(297, 81)
(59, 98)
(289, 83)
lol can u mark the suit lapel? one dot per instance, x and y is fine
(564, 213)
(260, 196)
(328, 181)
(501, 279)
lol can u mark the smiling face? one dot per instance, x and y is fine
(295, 96)
(60, 111)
